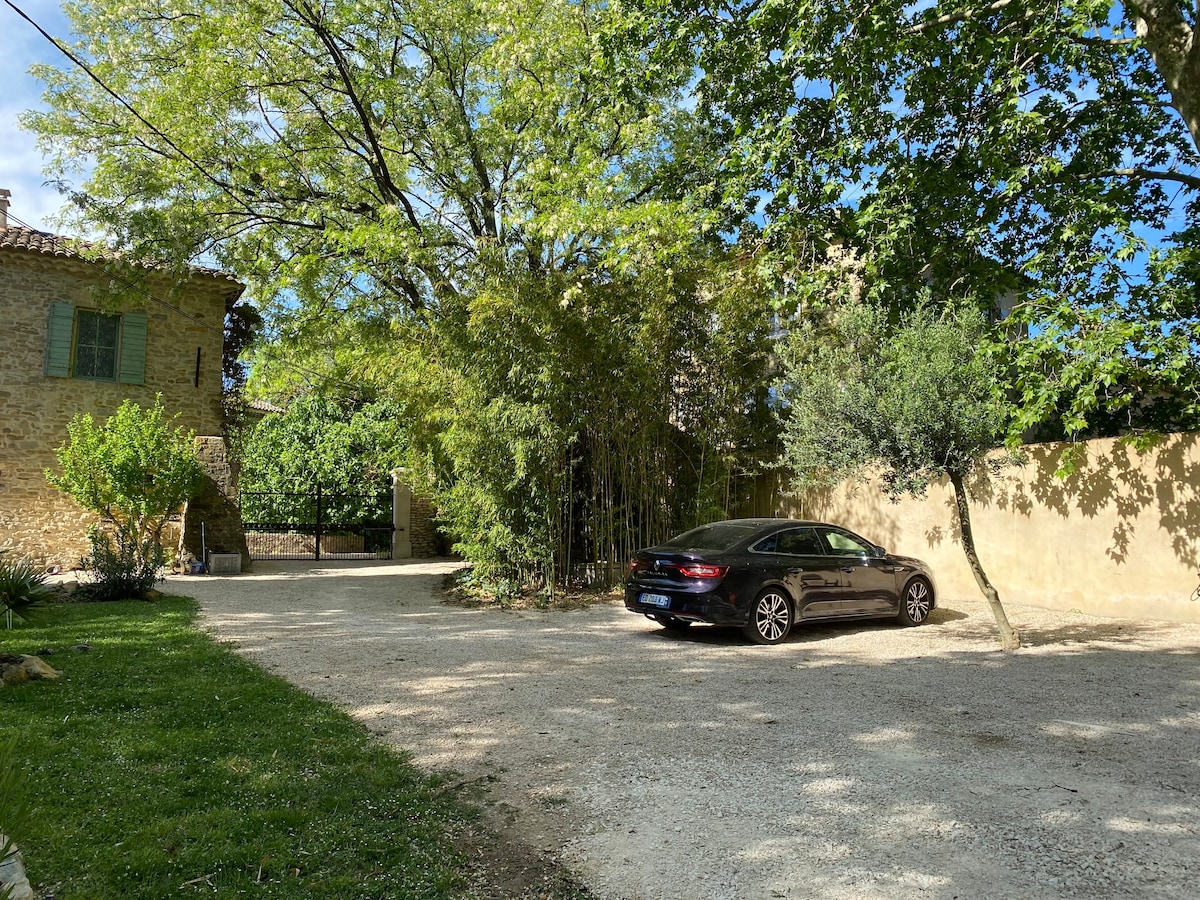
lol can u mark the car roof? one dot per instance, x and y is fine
(767, 521)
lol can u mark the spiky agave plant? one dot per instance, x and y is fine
(23, 589)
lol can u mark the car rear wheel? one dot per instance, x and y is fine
(671, 622)
(770, 618)
(916, 602)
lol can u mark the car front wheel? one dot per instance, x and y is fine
(770, 618)
(916, 602)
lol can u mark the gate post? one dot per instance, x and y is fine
(401, 516)
(317, 542)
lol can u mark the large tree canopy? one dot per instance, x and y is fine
(343, 152)
(456, 204)
(1005, 148)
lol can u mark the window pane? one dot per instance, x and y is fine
(710, 537)
(843, 544)
(801, 542)
(96, 345)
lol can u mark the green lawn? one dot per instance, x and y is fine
(163, 765)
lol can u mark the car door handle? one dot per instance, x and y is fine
(847, 569)
(795, 571)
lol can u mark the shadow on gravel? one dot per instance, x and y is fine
(853, 760)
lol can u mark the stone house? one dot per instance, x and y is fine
(61, 355)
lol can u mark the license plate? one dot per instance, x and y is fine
(662, 601)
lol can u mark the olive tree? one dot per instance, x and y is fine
(913, 398)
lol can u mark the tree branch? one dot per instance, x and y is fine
(956, 17)
(1136, 173)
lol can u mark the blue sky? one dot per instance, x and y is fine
(20, 162)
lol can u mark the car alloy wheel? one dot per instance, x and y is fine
(770, 618)
(916, 602)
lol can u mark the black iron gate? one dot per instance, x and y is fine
(317, 525)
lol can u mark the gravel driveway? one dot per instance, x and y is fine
(852, 761)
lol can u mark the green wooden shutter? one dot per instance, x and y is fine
(133, 348)
(58, 340)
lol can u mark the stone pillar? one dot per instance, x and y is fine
(401, 516)
(215, 507)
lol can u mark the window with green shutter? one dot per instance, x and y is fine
(97, 340)
(96, 346)
(58, 340)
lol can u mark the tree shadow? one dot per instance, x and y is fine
(1115, 480)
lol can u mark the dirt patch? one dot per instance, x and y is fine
(459, 591)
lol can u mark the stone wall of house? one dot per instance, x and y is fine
(37, 520)
(212, 521)
(426, 542)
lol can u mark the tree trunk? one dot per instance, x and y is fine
(1171, 42)
(1009, 639)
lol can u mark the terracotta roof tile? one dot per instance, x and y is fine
(14, 238)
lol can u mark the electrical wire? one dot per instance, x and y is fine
(224, 188)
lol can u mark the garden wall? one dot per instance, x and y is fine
(1120, 537)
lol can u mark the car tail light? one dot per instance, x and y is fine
(701, 570)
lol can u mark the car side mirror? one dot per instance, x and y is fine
(880, 551)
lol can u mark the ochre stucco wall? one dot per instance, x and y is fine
(1121, 537)
(36, 519)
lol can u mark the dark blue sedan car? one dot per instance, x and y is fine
(765, 575)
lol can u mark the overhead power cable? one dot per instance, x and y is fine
(204, 172)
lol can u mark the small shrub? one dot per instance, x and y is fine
(23, 589)
(134, 471)
(123, 564)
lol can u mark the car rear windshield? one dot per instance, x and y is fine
(721, 536)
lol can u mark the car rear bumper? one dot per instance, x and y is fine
(708, 607)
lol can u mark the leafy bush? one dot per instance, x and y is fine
(346, 447)
(135, 472)
(122, 564)
(23, 588)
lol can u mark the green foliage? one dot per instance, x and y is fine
(565, 423)
(916, 397)
(176, 763)
(455, 205)
(125, 564)
(345, 447)
(135, 472)
(985, 150)
(23, 590)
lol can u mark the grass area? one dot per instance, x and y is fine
(164, 765)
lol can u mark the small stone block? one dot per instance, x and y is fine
(224, 563)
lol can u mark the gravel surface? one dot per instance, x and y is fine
(852, 761)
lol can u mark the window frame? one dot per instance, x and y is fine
(76, 344)
(62, 344)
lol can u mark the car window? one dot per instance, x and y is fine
(794, 541)
(842, 544)
(767, 545)
(719, 536)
